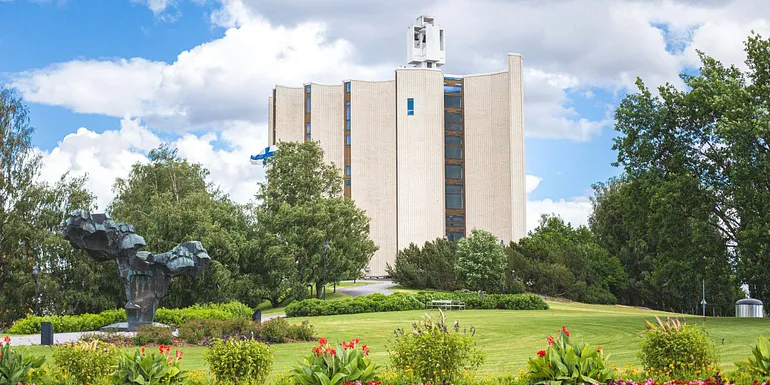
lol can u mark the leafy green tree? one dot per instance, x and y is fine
(557, 259)
(481, 261)
(169, 201)
(666, 254)
(429, 267)
(300, 209)
(30, 218)
(709, 144)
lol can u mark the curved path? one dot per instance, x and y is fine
(381, 287)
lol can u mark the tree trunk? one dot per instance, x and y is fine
(319, 290)
(335, 287)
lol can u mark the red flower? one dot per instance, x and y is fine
(354, 341)
(323, 341)
(541, 353)
(7, 340)
(365, 349)
(600, 350)
(317, 350)
(178, 355)
(330, 351)
(564, 329)
(550, 341)
(142, 351)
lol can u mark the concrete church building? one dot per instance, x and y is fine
(427, 155)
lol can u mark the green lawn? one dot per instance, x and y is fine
(510, 337)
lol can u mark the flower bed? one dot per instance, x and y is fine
(402, 301)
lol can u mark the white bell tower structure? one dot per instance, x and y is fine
(425, 44)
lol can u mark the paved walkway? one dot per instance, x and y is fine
(376, 287)
(63, 338)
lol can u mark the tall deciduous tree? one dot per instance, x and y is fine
(712, 143)
(481, 261)
(666, 252)
(300, 208)
(169, 201)
(30, 218)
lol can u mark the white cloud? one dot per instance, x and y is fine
(574, 210)
(103, 157)
(214, 84)
(110, 155)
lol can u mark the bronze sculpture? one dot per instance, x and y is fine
(145, 275)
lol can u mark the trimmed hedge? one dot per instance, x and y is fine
(401, 302)
(90, 322)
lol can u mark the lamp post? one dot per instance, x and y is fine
(326, 247)
(37, 288)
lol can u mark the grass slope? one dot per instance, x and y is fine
(511, 337)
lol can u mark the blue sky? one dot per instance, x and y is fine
(108, 80)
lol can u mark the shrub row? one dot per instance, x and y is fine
(473, 300)
(90, 322)
(402, 301)
(277, 330)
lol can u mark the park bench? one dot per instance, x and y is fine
(446, 304)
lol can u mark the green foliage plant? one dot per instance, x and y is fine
(155, 368)
(673, 349)
(330, 366)
(151, 334)
(569, 363)
(481, 261)
(86, 362)
(17, 364)
(434, 351)
(239, 361)
(757, 365)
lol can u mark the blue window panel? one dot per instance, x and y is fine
(453, 89)
(347, 170)
(347, 103)
(307, 88)
(307, 128)
(347, 112)
(348, 125)
(347, 139)
(453, 101)
(347, 86)
(410, 106)
(347, 182)
(308, 104)
(307, 137)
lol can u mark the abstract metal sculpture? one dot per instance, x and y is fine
(145, 275)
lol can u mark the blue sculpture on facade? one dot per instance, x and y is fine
(145, 275)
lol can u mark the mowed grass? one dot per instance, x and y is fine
(511, 337)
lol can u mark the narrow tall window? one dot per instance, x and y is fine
(307, 88)
(347, 87)
(307, 128)
(347, 112)
(308, 105)
(441, 38)
(347, 170)
(348, 125)
(347, 139)
(410, 106)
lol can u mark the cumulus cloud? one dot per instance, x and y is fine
(211, 85)
(574, 210)
(110, 155)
